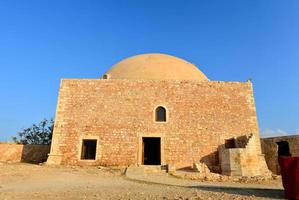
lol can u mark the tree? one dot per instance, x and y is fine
(40, 133)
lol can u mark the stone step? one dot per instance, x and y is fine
(144, 170)
(153, 169)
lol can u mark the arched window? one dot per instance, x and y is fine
(160, 114)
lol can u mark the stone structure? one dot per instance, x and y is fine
(238, 157)
(270, 149)
(151, 109)
(12, 152)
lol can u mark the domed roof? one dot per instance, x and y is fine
(155, 67)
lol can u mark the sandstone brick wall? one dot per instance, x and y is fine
(201, 115)
(269, 148)
(23, 153)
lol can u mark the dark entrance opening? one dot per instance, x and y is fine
(151, 151)
(230, 143)
(89, 148)
(283, 148)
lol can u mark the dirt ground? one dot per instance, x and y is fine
(28, 181)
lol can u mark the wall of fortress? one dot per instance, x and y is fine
(201, 115)
(270, 148)
(12, 152)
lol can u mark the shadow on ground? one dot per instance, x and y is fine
(258, 192)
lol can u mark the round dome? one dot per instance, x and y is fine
(155, 67)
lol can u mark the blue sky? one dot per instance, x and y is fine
(44, 41)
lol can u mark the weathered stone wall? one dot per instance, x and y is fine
(201, 115)
(269, 148)
(23, 153)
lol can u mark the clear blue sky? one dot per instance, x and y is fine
(44, 41)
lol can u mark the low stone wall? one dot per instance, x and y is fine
(13, 152)
(269, 148)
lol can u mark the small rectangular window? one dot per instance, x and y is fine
(89, 148)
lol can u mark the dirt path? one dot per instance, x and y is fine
(26, 181)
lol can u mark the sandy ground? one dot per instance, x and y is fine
(28, 181)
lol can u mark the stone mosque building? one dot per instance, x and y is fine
(157, 109)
